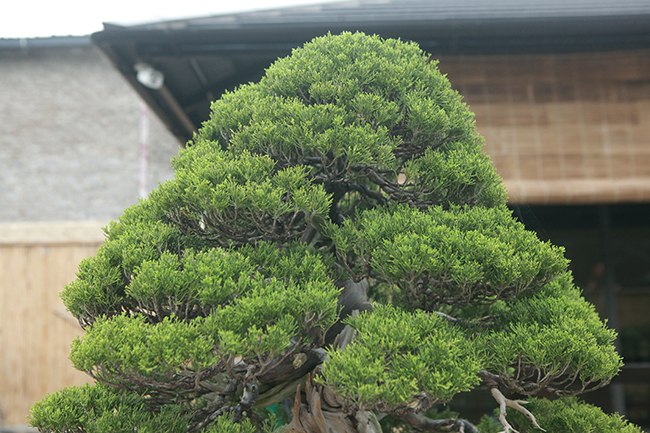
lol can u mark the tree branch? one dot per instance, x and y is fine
(422, 423)
(515, 404)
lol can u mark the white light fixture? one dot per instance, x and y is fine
(148, 76)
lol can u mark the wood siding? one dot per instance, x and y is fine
(36, 261)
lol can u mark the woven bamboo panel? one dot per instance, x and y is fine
(36, 261)
(562, 128)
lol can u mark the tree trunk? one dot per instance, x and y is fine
(322, 412)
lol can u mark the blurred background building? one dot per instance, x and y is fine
(561, 92)
(73, 155)
(70, 134)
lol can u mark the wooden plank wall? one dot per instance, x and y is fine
(36, 261)
(562, 128)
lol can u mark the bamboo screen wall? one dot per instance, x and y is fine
(36, 261)
(563, 128)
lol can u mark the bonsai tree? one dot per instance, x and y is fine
(333, 251)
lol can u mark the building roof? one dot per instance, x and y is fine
(202, 57)
(441, 18)
(50, 42)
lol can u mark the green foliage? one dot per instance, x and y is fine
(294, 262)
(459, 256)
(386, 364)
(360, 110)
(569, 416)
(457, 174)
(489, 424)
(287, 310)
(259, 323)
(351, 159)
(160, 279)
(236, 197)
(134, 345)
(101, 280)
(99, 409)
(99, 288)
(554, 333)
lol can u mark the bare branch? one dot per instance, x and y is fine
(515, 404)
(423, 423)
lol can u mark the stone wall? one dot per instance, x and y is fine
(69, 137)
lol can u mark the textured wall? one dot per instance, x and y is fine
(35, 329)
(571, 128)
(69, 137)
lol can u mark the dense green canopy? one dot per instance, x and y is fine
(334, 228)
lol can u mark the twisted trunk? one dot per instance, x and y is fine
(319, 410)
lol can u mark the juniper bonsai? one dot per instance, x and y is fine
(334, 248)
